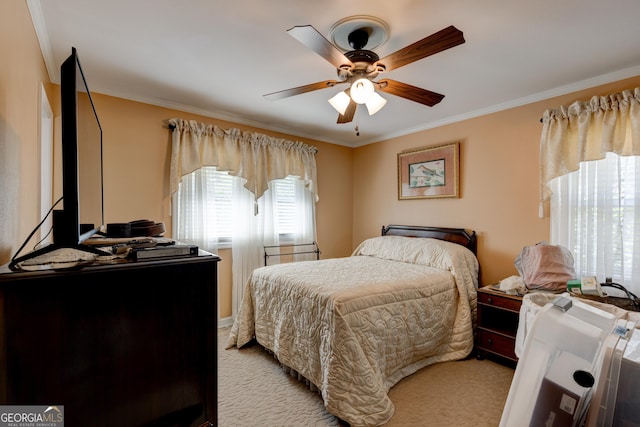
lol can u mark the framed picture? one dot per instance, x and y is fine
(429, 172)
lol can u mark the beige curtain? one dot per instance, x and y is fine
(256, 157)
(587, 131)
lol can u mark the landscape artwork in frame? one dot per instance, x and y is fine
(429, 172)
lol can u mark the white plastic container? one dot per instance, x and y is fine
(603, 402)
(560, 363)
(627, 402)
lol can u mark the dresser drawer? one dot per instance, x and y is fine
(500, 301)
(496, 343)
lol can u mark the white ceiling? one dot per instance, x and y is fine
(217, 58)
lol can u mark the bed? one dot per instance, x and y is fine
(353, 327)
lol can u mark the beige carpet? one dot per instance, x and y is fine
(254, 391)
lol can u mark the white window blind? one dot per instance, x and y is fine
(285, 199)
(204, 205)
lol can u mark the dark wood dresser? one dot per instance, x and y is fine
(498, 315)
(127, 344)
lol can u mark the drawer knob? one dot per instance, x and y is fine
(490, 341)
(490, 300)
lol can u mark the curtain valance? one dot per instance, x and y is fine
(253, 156)
(587, 131)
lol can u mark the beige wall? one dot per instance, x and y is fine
(22, 71)
(498, 182)
(136, 155)
(499, 159)
(499, 167)
(136, 176)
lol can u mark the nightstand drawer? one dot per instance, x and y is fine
(496, 343)
(497, 327)
(500, 301)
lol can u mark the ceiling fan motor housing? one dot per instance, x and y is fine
(362, 55)
(364, 64)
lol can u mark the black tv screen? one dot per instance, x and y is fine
(82, 214)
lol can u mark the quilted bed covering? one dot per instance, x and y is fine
(355, 326)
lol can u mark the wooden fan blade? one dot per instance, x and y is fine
(437, 42)
(311, 38)
(412, 93)
(300, 89)
(348, 113)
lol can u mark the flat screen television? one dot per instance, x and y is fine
(82, 172)
(82, 213)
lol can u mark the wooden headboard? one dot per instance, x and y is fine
(461, 236)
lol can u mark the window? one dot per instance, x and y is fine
(285, 200)
(205, 205)
(595, 213)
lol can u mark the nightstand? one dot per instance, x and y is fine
(497, 325)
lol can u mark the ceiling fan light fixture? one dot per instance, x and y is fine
(340, 102)
(375, 103)
(361, 90)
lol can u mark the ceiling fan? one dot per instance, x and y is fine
(359, 67)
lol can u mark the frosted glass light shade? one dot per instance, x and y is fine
(340, 102)
(375, 103)
(361, 90)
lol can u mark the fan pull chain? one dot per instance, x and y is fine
(357, 130)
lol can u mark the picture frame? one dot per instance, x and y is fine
(429, 172)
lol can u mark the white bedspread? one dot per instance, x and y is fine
(355, 326)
